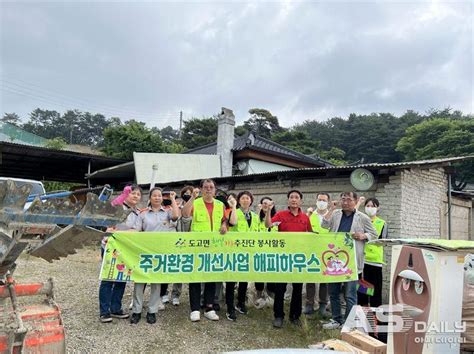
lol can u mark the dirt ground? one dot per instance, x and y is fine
(76, 292)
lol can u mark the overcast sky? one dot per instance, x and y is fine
(303, 60)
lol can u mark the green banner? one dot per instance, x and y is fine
(189, 257)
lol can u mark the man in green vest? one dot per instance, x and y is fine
(322, 202)
(207, 215)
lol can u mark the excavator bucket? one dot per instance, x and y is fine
(51, 227)
(58, 211)
(66, 242)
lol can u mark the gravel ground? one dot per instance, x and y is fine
(76, 292)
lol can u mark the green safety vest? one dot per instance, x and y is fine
(316, 224)
(262, 228)
(201, 221)
(242, 224)
(374, 253)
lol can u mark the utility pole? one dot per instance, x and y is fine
(180, 123)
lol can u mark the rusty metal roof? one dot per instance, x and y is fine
(370, 166)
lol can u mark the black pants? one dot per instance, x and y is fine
(229, 293)
(195, 295)
(163, 290)
(259, 286)
(373, 275)
(296, 301)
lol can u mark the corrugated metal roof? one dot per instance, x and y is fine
(369, 166)
(33, 162)
(255, 142)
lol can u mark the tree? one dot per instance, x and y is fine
(168, 134)
(73, 126)
(43, 123)
(262, 123)
(440, 137)
(122, 140)
(55, 143)
(334, 155)
(197, 132)
(372, 137)
(298, 141)
(11, 118)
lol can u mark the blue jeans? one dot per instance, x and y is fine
(110, 296)
(350, 295)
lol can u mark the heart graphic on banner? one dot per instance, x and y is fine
(336, 254)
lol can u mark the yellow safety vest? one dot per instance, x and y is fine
(316, 224)
(262, 228)
(201, 221)
(242, 224)
(374, 253)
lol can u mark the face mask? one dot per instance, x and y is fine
(371, 211)
(186, 197)
(166, 202)
(322, 205)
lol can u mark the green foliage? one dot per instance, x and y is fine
(122, 140)
(240, 130)
(263, 123)
(197, 132)
(298, 141)
(55, 143)
(74, 126)
(53, 186)
(11, 118)
(438, 137)
(334, 155)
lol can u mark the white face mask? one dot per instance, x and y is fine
(322, 205)
(371, 211)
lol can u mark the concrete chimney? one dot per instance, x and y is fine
(225, 140)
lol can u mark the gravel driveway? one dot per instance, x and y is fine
(76, 292)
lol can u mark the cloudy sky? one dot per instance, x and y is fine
(301, 60)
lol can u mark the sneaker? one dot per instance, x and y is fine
(165, 299)
(332, 325)
(175, 301)
(308, 310)
(161, 307)
(122, 315)
(241, 308)
(135, 318)
(105, 318)
(260, 303)
(278, 322)
(231, 316)
(195, 316)
(211, 315)
(151, 318)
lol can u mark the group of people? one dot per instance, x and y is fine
(207, 209)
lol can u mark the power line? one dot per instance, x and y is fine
(68, 102)
(81, 100)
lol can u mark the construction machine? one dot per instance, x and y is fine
(51, 227)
